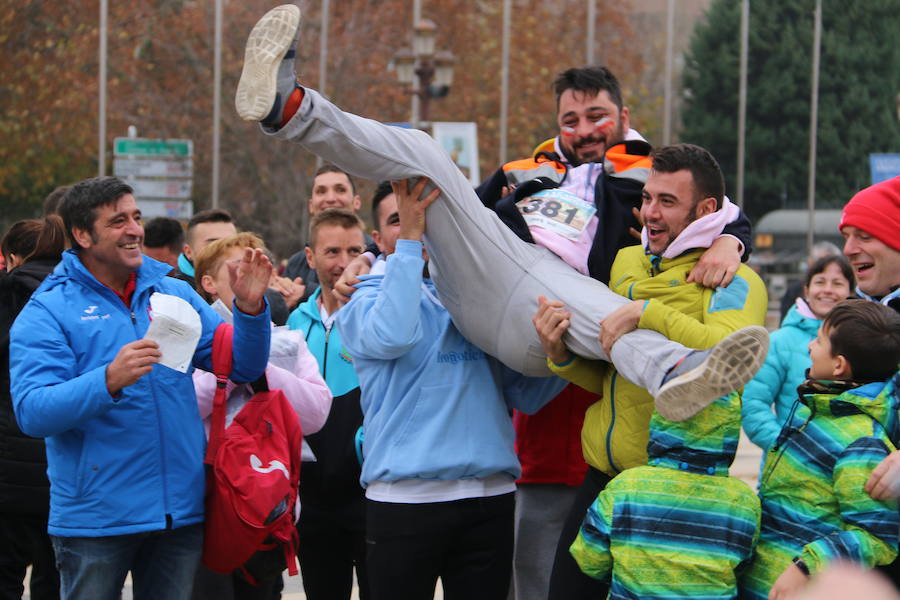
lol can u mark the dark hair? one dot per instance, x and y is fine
(78, 208)
(705, 171)
(383, 190)
(329, 168)
(212, 215)
(867, 334)
(820, 265)
(588, 80)
(54, 199)
(35, 239)
(333, 216)
(164, 232)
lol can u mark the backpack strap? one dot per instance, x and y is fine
(221, 365)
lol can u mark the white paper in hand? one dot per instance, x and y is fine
(176, 327)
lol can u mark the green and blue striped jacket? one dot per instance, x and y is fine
(813, 501)
(679, 527)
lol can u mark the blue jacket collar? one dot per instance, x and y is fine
(70, 267)
(185, 266)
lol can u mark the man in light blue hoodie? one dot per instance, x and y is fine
(439, 467)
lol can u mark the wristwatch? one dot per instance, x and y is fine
(801, 565)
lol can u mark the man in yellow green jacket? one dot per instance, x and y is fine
(683, 209)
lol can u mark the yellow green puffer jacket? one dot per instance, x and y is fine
(616, 427)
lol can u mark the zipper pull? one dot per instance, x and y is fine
(133, 318)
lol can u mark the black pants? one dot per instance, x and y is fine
(329, 551)
(24, 541)
(567, 582)
(467, 543)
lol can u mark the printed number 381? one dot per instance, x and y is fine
(549, 209)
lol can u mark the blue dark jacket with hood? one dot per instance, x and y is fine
(124, 464)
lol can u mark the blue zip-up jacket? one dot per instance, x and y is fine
(436, 407)
(335, 362)
(776, 382)
(124, 464)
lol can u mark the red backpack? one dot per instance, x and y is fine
(253, 474)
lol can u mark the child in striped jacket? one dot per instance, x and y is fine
(680, 526)
(814, 508)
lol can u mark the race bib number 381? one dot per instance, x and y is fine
(557, 210)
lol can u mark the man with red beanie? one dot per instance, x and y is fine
(871, 229)
(870, 225)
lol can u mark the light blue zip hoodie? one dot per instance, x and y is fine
(130, 463)
(777, 380)
(436, 407)
(334, 362)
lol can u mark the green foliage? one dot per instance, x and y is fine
(859, 82)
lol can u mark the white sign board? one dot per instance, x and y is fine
(176, 209)
(157, 169)
(161, 188)
(138, 167)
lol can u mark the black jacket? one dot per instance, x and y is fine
(24, 488)
(614, 198)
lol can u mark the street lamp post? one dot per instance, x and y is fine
(426, 74)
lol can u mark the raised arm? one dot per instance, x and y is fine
(383, 319)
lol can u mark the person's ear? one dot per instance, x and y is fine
(707, 206)
(83, 237)
(376, 237)
(625, 118)
(841, 368)
(357, 202)
(209, 285)
(310, 258)
(186, 250)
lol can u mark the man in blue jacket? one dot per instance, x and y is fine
(438, 461)
(125, 443)
(332, 522)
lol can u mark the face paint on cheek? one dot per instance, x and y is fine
(604, 125)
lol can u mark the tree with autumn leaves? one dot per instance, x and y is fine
(160, 80)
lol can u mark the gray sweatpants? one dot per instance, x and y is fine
(487, 278)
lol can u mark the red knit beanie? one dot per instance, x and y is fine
(876, 210)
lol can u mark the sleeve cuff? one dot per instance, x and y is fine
(239, 314)
(564, 363)
(409, 248)
(740, 243)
